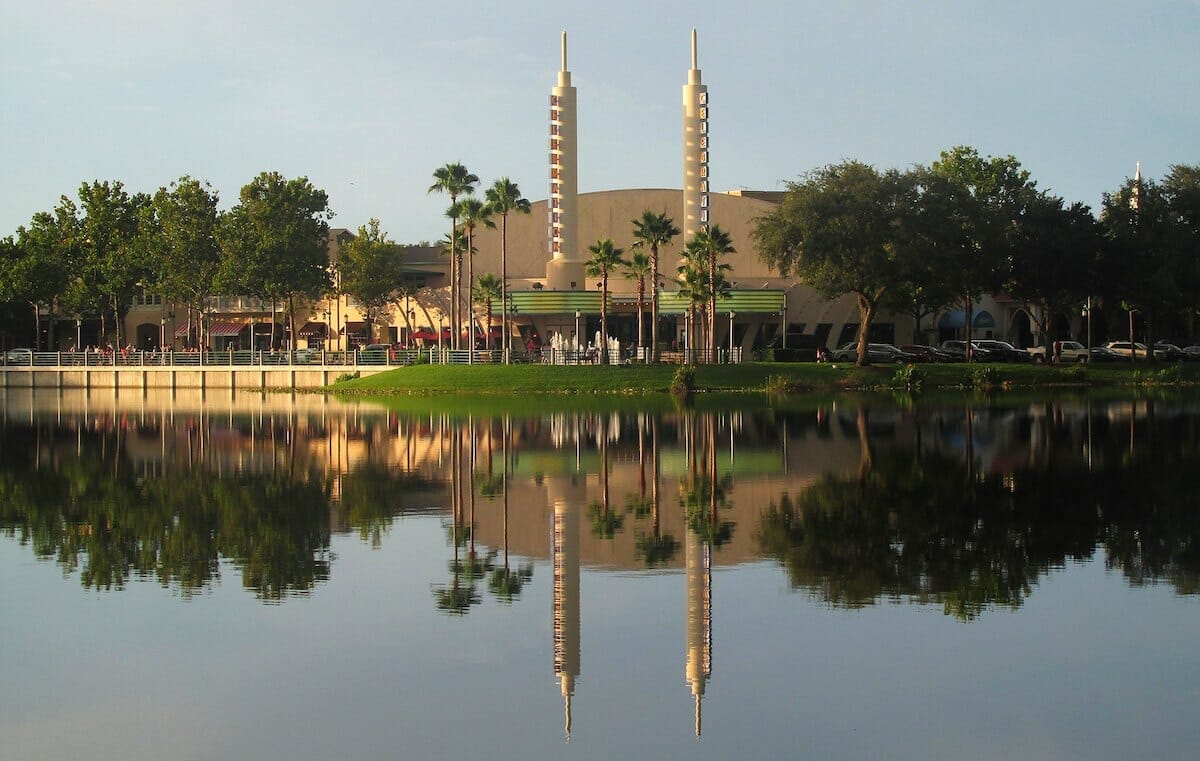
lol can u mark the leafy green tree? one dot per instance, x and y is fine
(845, 230)
(1054, 259)
(651, 232)
(454, 180)
(35, 266)
(488, 290)
(605, 259)
(110, 253)
(180, 225)
(370, 268)
(983, 205)
(637, 270)
(1139, 272)
(275, 241)
(504, 198)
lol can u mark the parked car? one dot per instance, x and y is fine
(1191, 353)
(1005, 351)
(1173, 352)
(1102, 354)
(1069, 352)
(929, 353)
(875, 353)
(1123, 349)
(978, 353)
(19, 357)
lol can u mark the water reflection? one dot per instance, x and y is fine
(963, 506)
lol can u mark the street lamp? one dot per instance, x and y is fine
(162, 331)
(78, 334)
(732, 314)
(576, 347)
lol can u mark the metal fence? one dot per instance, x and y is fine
(312, 357)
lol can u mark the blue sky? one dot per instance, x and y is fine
(366, 98)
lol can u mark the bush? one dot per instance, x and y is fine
(683, 383)
(908, 377)
(346, 377)
(984, 376)
(779, 384)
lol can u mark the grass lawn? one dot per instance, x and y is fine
(534, 381)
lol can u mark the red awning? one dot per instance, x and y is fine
(355, 328)
(314, 330)
(183, 329)
(429, 335)
(226, 328)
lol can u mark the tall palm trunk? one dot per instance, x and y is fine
(641, 329)
(505, 340)
(604, 319)
(652, 356)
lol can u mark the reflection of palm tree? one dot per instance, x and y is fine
(657, 548)
(702, 495)
(505, 583)
(605, 523)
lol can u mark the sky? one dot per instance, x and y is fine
(366, 98)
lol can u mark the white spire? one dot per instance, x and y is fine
(1137, 173)
(694, 57)
(564, 50)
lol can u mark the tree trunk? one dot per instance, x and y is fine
(37, 327)
(641, 312)
(866, 313)
(1132, 343)
(969, 314)
(652, 356)
(603, 318)
(505, 333)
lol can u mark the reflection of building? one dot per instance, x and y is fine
(699, 617)
(565, 554)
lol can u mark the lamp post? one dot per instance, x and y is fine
(162, 332)
(732, 314)
(576, 347)
(78, 334)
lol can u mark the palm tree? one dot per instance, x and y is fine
(454, 180)
(712, 244)
(473, 213)
(638, 269)
(692, 277)
(504, 197)
(651, 231)
(487, 290)
(605, 258)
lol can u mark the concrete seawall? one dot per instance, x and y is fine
(217, 376)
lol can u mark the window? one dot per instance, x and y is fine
(704, 201)
(554, 100)
(704, 141)
(703, 97)
(703, 128)
(704, 112)
(704, 156)
(703, 186)
(704, 216)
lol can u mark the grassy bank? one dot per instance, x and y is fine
(533, 381)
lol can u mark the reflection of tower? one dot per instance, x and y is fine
(695, 151)
(566, 602)
(565, 269)
(698, 562)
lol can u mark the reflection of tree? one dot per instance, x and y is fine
(921, 529)
(605, 523)
(506, 583)
(657, 548)
(703, 494)
(96, 516)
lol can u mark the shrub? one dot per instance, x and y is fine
(779, 384)
(908, 377)
(683, 383)
(984, 376)
(346, 377)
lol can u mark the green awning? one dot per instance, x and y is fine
(670, 302)
(554, 302)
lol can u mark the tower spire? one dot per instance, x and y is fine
(694, 58)
(564, 50)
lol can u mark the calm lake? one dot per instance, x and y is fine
(275, 577)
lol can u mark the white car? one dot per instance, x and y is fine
(19, 357)
(1070, 352)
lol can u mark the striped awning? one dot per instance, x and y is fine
(226, 328)
(183, 329)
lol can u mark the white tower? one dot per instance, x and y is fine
(565, 554)
(698, 564)
(695, 151)
(565, 267)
